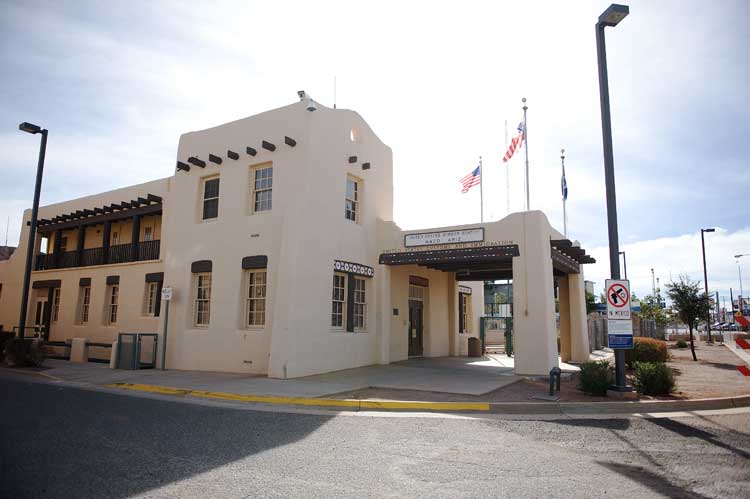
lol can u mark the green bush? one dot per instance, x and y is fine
(595, 377)
(646, 350)
(682, 344)
(653, 378)
(24, 352)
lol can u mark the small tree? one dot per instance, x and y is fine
(590, 302)
(651, 309)
(690, 304)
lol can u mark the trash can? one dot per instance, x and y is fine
(475, 347)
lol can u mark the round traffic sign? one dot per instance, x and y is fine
(617, 295)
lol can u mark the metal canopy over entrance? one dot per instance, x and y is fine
(470, 264)
(482, 263)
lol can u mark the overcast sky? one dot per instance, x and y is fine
(117, 82)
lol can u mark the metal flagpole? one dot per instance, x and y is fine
(481, 194)
(526, 142)
(564, 188)
(507, 174)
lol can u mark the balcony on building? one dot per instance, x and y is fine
(129, 231)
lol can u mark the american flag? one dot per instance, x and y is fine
(515, 143)
(472, 179)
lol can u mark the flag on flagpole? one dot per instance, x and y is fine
(564, 186)
(472, 179)
(515, 143)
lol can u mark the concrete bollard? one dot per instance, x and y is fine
(79, 350)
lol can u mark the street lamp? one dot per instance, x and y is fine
(705, 281)
(611, 17)
(624, 264)
(32, 129)
(739, 270)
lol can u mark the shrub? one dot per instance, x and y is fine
(5, 337)
(646, 350)
(596, 377)
(653, 378)
(682, 344)
(24, 352)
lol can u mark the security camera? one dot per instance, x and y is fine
(302, 95)
(311, 106)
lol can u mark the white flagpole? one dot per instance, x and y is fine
(481, 193)
(507, 174)
(565, 215)
(526, 142)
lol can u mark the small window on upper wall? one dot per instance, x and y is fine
(353, 198)
(63, 243)
(148, 233)
(261, 184)
(210, 198)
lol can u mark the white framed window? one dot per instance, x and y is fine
(262, 188)
(113, 297)
(210, 198)
(55, 304)
(85, 300)
(255, 298)
(338, 307)
(202, 306)
(115, 238)
(148, 233)
(360, 304)
(151, 298)
(353, 194)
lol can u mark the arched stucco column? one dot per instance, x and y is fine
(534, 332)
(564, 306)
(579, 337)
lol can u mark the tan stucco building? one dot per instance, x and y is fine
(276, 235)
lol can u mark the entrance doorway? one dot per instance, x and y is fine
(416, 328)
(42, 316)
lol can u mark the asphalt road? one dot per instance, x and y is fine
(61, 441)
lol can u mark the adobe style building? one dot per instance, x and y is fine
(276, 235)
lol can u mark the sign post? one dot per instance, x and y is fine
(619, 322)
(166, 296)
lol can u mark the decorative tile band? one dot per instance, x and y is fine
(354, 268)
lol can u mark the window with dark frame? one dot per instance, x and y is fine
(360, 304)
(211, 198)
(262, 189)
(112, 304)
(151, 298)
(55, 304)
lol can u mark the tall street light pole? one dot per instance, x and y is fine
(33, 129)
(610, 17)
(624, 264)
(705, 281)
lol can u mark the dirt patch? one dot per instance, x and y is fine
(714, 374)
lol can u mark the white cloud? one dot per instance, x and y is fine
(671, 257)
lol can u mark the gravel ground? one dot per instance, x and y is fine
(64, 442)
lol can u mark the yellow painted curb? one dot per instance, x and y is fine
(319, 402)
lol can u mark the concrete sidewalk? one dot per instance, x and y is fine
(457, 375)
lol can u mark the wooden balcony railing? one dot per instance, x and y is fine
(121, 253)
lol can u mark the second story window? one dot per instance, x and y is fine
(148, 233)
(353, 193)
(262, 185)
(211, 198)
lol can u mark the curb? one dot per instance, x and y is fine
(542, 408)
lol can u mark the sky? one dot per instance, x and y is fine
(118, 82)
